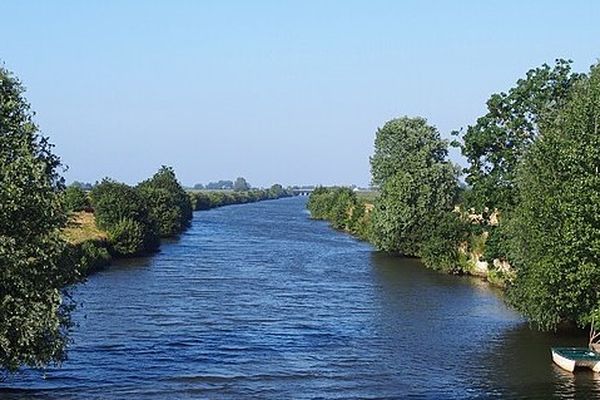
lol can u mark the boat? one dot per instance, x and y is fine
(569, 358)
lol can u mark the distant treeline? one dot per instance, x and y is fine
(205, 200)
(240, 184)
(529, 217)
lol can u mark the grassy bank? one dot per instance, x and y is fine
(89, 247)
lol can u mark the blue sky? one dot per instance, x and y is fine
(276, 91)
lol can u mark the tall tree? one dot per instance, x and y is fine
(554, 232)
(495, 145)
(418, 184)
(34, 316)
(405, 144)
(240, 185)
(169, 204)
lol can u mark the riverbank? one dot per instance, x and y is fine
(208, 199)
(259, 301)
(89, 247)
(351, 212)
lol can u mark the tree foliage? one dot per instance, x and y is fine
(418, 184)
(240, 185)
(76, 198)
(554, 232)
(220, 185)
(212, 199)
(168, 203)
(34, 316)
(117, 207)
(442, 249)
(405, 144)
(342, 208)
(495, 145)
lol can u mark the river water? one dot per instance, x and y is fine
(259, 301)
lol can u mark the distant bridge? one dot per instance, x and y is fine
(302, 191)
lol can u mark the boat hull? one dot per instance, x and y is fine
(569, 358)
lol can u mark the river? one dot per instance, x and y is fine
(259, 301)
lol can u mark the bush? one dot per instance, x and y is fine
(168, 203)
(76, 199)
(121, 211)
(88, 257)
(213, 199)
(441, 250)
(342, 208)
(497, 242)
(127, 237)
(94, 256)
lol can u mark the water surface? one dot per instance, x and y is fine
(258, 301)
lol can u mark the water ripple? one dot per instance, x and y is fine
(258, 301)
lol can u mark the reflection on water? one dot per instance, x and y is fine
(258, 301)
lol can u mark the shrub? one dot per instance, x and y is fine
(127, 237)
(441, 250)
(168, 203)
(76, 199)
(115, 203)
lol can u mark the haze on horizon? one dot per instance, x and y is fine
(286, 92)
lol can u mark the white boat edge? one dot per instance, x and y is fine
(569, 365)
(563, 362)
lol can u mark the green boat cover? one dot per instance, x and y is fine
(577, 353)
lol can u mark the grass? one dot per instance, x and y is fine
(82, 227)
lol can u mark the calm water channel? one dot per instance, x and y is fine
(258, 301)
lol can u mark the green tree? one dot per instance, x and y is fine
(115, 203)
(320, 202)
(555, 229)
(34, 316)
(276, 191)
(418, 184)
(441, 250)
(75, 198)
(201, 201)
(410, 206)
(342, 208)
(405, 144)
(240, 185)
(495, 145)
(127, 236)
(169, 204)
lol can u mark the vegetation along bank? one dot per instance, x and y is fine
(527, 217)
(52, 236)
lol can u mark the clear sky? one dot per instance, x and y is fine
(276, 91)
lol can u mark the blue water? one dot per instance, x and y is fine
(259, 301)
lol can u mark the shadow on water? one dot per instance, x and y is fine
(469, 334)
(519, 361)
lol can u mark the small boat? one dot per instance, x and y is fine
(569, 358)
